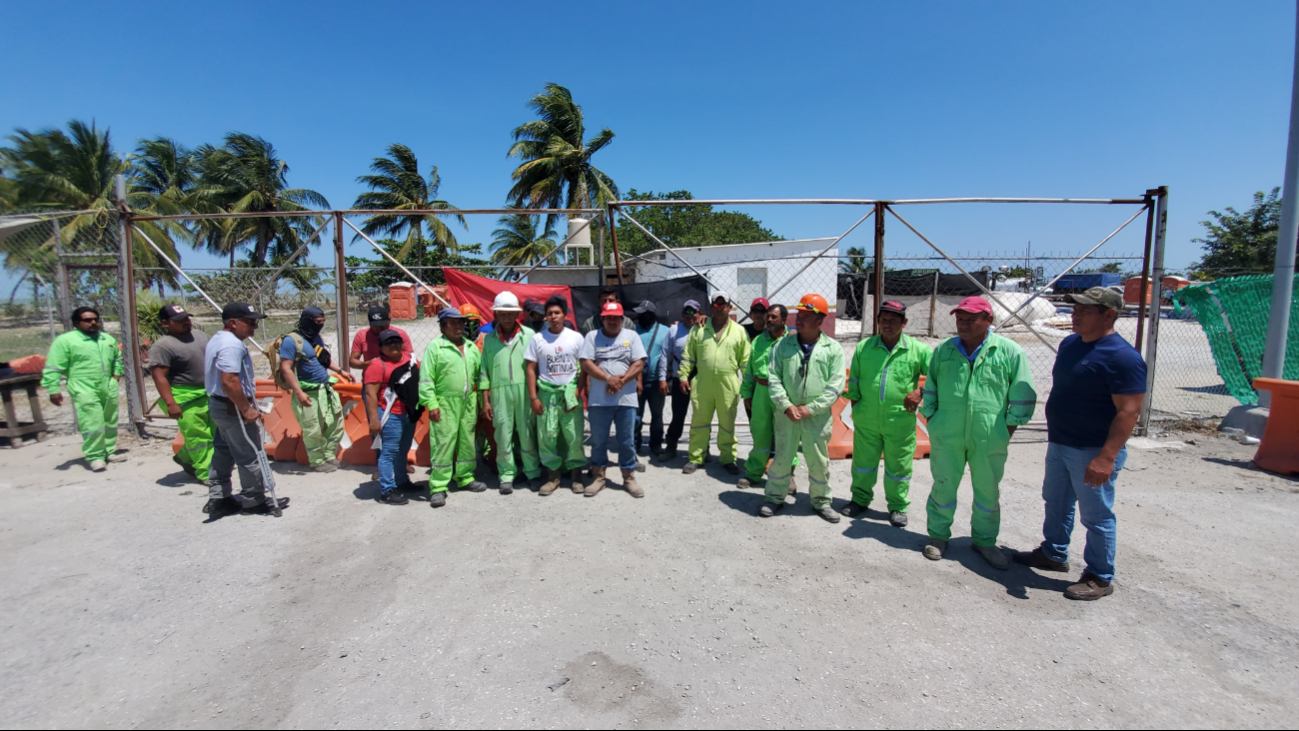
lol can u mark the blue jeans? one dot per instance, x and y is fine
(1064, 486)
(396, 435)
(623, 420)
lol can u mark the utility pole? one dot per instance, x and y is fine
(1278, 321)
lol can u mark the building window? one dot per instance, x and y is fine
(750, 284)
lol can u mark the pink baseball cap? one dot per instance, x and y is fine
(611, 309)
(973, 304)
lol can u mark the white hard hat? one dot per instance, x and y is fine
(506, 302)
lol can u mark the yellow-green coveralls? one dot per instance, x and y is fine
(815, 381)
(446, 382)
(718, 358)
(503, 372)
(89, 364)
(195, 424)
(969, 408)
(879, 380)
(755, 386)
(559, 428)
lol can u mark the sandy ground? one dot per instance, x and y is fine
(123, 608)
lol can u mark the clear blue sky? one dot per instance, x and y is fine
(1099, 99)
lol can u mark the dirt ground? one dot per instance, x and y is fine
(123, 608)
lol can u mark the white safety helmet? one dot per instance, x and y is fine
(506, 302)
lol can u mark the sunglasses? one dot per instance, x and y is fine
(90, 319)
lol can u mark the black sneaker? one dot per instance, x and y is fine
(852, 510)
(437, 499)
(476, 486)
(898, 518)
(769, 509)
(217, 506)
(731, 468)
(266, 508)
(690, 468)
(1037, 559)
(669, 454)
(392, 498)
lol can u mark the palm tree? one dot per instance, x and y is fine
(517, 243)
(556, 171)
(855, 261)
(73, 171)
(397, 185)
(245, 176)
(163, 171)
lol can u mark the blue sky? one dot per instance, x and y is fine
(842, 100)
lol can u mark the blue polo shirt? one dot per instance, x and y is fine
(1085, 378)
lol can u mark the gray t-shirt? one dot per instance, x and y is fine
(183, 358)
(227, 354)
(614, 356)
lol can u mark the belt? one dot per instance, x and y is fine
(762, 382)
(221, 399)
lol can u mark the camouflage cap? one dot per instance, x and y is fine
(1103, 296)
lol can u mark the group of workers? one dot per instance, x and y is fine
(516, 393)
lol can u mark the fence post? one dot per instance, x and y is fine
(933, 305)
(126, 304)
(340, 282)
(1145, 270)
(617, 258)
(61, 278)
(1156, 297)
(861, 306)
(879, 268)
(600, 270)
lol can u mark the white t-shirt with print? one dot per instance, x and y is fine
(555, 355)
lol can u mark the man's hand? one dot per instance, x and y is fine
(56, 399)
(1099, 471)
(487, 409)
(173, 410)
(913, 401)
(435, 415)
(748, 407)
(663, 387)
(640, 388)
(1011, 429)
(537, 406)
(303, 399)
(375, 428)
(793, 413)
(615, 384)
(685, 385)
(804, 412)
(251, 413)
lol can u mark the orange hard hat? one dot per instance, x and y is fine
(813, 303)
(470, 312)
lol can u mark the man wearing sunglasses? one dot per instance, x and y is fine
(91, 362)
(718, 350)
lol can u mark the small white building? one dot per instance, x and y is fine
(748, 271)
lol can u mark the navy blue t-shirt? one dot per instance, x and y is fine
(309, 369)
(1086, 376)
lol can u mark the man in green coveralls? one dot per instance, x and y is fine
(503, 381)
(979, 390)
(884, 387)
(757, 398)
(718, 351)
(446, 388)
(806, 378)
(176, 364)
(89, 358)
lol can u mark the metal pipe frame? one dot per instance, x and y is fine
(289, 261)
(1145, 270)
(674, 253)
(832, 245)
(871, 201)
(398, 264)
(879, 270)
(360, 212)
(1156, 298)
(340, 283)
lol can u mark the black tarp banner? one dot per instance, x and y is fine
(904, 284)
(669, 295)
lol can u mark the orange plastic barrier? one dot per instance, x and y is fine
(841, 439)
(28, 364)
(1276, 453)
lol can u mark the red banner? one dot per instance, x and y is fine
(481, 292)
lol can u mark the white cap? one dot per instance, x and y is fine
(506, 302)
(719, 293)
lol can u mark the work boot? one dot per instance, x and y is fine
(852, 510)
(476, 486)
(507, 488)
(745, 483)
(117, 457)
(535, 483)
(1037, 559)
(267, 507)
(437, 499)
(597, 482)
(935, 549)
(575, 478)
(640, 466)
(334, 461)
(769, 509)
(629, 482)
(188, 468)
(1089, 588)
(325, 467)
(551, 484)
(669, 455)
(98, 465)
(827, 514)
(994, 556)
(689, 469)
(898, 518)
(217, 507)
(392, 498)
(731, 468)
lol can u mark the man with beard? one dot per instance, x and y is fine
(91, 361)
(305, 365)
(176, 364)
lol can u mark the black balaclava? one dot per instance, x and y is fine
(646, 319)
(310, 329)
(471, 330)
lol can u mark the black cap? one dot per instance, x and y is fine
(379, 314)
(387, 335)
(532, 304)
(646, 306)
(240, 311)
(176, 313)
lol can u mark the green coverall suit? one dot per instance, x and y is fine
(559, 431)
(878, 383)
(718, 359)
(503, 372)
(755, 387)
(969, 408)
(446, 383)
(815, 382)
(195, 426)
(89, 364)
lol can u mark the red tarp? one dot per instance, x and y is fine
(480, 292)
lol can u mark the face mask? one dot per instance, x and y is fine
(471, 330)
(307, 324)
(646, 320)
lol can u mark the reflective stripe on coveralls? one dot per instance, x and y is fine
(89, 364)
(559, 428)
(195, 425)
(969, 408)
(503, 371)
(718, 359)
(878, 383)
(754, 386)
(446, 383)
(815, 382)
(321, 422)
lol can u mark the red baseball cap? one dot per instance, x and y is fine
(893, 306)
(611, 309)
(973, 304)
(760, 301)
